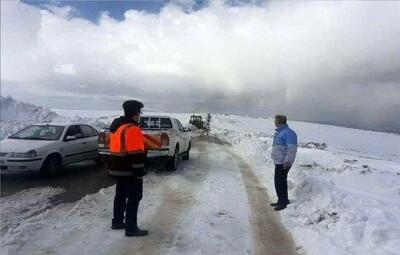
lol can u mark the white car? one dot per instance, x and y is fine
(164, 137)
(48, 147)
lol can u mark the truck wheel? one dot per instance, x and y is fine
(186, 155)
(51, 166)
(173, 161)
(99, 160)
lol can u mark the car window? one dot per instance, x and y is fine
(87, 131)
(180, 127)
(74, 131)
(39, 132)
(94, 131)
(154, 123)
(166, 123)
(144, 122)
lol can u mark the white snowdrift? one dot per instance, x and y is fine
(22, 214)
(345, 199)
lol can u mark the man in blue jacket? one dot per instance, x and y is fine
(283, 154)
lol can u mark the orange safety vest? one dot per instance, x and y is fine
(127, 151)
(128, 139)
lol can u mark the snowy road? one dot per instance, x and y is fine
(213, 205)
(78, 180)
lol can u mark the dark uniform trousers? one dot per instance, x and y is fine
(128, 193)
(281, 188)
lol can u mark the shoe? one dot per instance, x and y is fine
(137, 232)
(118, 225)
(277, 203)
(280, 207)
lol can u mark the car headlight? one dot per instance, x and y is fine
(29, 154)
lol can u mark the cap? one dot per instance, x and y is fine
(131, 107)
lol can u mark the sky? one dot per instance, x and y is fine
(327, 62)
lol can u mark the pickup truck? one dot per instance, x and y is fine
(164, 137)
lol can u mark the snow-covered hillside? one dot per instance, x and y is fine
(345, 196)
(15, 115)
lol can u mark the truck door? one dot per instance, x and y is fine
(183, 137)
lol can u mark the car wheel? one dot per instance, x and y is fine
(174, 160)
(51, 166)
(186, 156)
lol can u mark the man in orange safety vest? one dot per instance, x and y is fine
(126, 163)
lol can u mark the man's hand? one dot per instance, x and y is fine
(286, 165)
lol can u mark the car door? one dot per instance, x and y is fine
(73, 149)
(89, 142)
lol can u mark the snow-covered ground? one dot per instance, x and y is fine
(345, 197)
(200, 209)
(344, 188)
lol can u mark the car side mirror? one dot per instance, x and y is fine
(187, 129)
(70, 138)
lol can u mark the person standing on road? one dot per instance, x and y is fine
(126, 163)
(283, 154)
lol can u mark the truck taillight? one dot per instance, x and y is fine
(101, 139)
(104, 139)
(164, 139)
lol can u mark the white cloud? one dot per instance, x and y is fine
(335, 62)
(66, 68)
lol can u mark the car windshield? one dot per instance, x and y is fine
(38, 132)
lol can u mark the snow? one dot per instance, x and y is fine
(193, 211)
(345, 198)
(344, 188)
(23, 213)
(15, 115)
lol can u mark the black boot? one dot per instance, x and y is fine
(117, 225)
(280, 207)
(136, 232)
(278, 203)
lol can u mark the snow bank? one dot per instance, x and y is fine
(22, 213)
(16, 115)
(63, 221)
(345, 194)
(338, 138)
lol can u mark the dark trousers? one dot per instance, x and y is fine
(128, 193)
(281, 184)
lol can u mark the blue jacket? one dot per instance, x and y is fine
(284, 148)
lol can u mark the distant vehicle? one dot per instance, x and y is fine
(48, 147)
(164, 137)
(197, 121)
